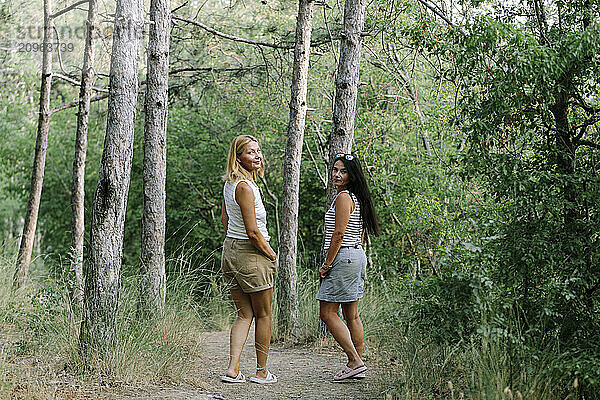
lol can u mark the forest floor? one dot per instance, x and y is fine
(303, 371)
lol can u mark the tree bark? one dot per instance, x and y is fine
(152, 268)
(287, 276)
(39, 161)
(346, 83)
(565, 156)
(78, 184)
(103, 275)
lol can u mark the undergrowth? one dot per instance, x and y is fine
(39, 340)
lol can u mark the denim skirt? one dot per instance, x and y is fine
(346, 279)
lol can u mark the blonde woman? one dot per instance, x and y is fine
(248, 262)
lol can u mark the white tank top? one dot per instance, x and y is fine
(235, 225)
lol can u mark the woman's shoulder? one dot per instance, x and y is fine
(344, 197)
(354, 197)
(237, 182)
(244, 185)
(237, 186)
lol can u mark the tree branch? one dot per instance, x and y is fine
(58, 53)
(74, 103)
(76, 83)
(312, 157)
(541, 20)
(230, 37)
(274, 204)
(589, 144)
(249, 41)
(405, 80)
(583, 104)
(66, 10)
(214, 69)
(436, 11)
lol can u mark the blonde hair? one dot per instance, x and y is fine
(235, 170)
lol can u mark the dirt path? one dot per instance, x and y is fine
(303, 373)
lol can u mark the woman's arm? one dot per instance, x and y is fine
(343, 208)
(245, 198)
(224, 216)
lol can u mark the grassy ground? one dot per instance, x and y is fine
(38, 343)
(40, 330)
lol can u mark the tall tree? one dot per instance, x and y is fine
(39, 161)
(287, 293)
(346, 83)
(103, 275)
(78, 188)
(152, 268)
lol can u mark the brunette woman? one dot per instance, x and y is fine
(351, 216)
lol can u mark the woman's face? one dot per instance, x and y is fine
(339, 175)
(251, 157)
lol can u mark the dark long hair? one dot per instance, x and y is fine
(357, 184)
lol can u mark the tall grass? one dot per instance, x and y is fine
(161, 349)
(7, 333)
(487, 366)
(39, 340)
(39, 336)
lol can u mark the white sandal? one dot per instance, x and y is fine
(271, 378)
(240, 378)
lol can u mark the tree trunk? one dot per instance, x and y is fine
(287, 276)
(103, 275)
(39, 161)
(565, 157)
(346, 83)
(78, 184)
(152, 268)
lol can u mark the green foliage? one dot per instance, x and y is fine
(446, 308)
(38, 323)
(17, 128)
(526, 102)
(486, 274)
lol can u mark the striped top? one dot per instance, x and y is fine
(235, 224)
(354, 229)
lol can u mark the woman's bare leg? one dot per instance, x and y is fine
(261, 306)
(239, 330)
(340, 332)
(355, 326)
